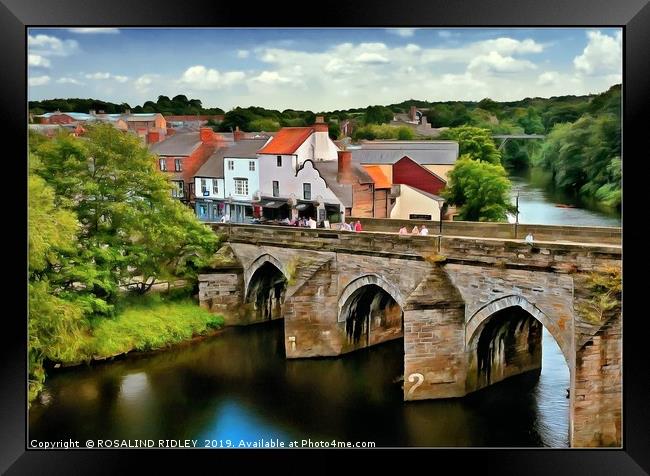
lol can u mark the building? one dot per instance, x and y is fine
(407, 176)
(182, 155)
(241, 173)
(195, 121)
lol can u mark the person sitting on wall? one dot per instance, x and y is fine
(312, 223)
(357, 226)
(424, 231)
(403, 231)
(415, 230)
(529, 239)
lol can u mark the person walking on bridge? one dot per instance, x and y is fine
(357, 226)
(415, 230)
(424, 231)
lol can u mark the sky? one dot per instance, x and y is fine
(320, 69)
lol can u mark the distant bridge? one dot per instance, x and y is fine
(506, 137)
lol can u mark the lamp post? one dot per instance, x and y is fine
(516, 211)
(441, 204)
(229, 215)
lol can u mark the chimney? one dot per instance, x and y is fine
(207, 135)
(320, 125)
(153, 137)
(345, 174)
(412, 114)
(238, 135)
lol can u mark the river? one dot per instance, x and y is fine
(238, 386)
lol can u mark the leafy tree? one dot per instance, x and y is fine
(132, 231)
(266, 124)
(475, 142)
(55, 324)
(480, 190)
(238, 117)
(334, 130)
(378, 115)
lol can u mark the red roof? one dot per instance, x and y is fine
(287, 140)
(381, 181)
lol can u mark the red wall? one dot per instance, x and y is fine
(190, 164)
(57, 119)
(408, 172)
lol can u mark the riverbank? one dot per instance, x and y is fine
(141, 325)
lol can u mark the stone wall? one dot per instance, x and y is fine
(581, 234)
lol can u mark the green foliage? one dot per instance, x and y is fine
(480, 189)
(334, 130)
(149, 323)
(178, 105)
(378, 115)
(584, 157)
(605, 288)
(384, 131)
(475, 142)
(266, 125)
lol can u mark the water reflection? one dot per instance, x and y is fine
(537, 204)
(240, 386)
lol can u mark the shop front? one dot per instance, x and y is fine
(210, 210)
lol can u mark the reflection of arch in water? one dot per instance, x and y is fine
(369, 297)
(505, 339)
(266, 287)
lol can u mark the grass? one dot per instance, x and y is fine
(150, 322)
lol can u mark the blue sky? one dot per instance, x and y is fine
(320, 69)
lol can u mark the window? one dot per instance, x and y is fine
(204, 186)
(279, 161)
(177, 191)
(178, 166)
(276, 188)
(231, 165)
(241, 186)
(215, 187)
(163, 164)
(306, 191)
(203, 211)
(251, 166)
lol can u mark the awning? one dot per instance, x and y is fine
(272, 203)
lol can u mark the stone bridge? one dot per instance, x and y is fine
(470, 310)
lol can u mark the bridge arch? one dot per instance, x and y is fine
(265, 288)
(476, 323)
(363, 281)
(257, 264)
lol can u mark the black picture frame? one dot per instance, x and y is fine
(632, 15)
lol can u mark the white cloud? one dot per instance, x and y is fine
(100, 76)
(144, 83)
(494, 62)
(202, 78)
(243, 53)
(271, 77)
(46, 45)
(403, 32)
(548, 78)
(94, 31)
(39, 80)
(602, 54)
(66, 80)
(371, 58)
(38, 61)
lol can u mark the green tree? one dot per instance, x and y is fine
(378, 115)
(55, 324)
(479, 189)
(132, 230)
(474, 142)
(265, 124)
